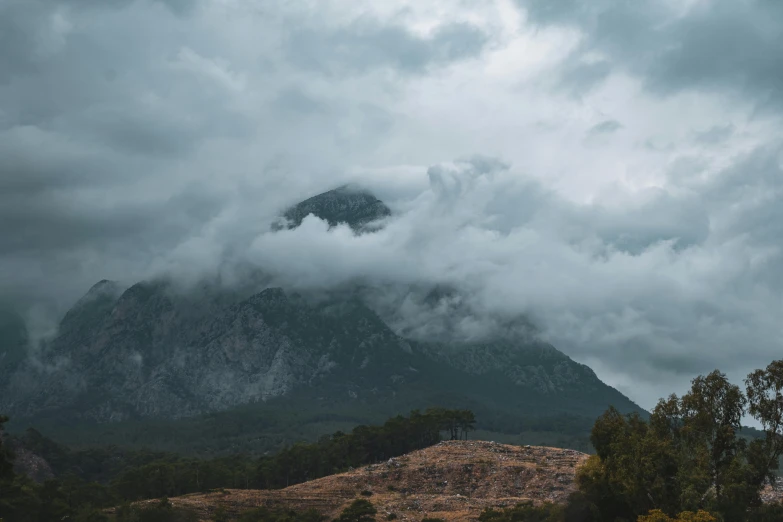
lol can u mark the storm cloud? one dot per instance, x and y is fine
(611, 171)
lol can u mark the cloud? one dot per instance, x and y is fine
(364, 45)
(636, 286)
(716, 134)
(605, 127)
(713, 44)
(649, 251)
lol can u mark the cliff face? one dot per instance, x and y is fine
(153, 351)
(13, 341)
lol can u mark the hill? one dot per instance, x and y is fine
(453, 480)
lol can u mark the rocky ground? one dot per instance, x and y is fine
(773, 492)
(453, 480)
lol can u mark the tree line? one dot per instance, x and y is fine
(78, 495)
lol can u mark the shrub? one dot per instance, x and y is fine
(360, 510)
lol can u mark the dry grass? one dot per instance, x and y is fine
(454, 480)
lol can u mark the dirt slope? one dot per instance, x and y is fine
(454, 480)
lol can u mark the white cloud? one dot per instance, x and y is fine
(651, 252)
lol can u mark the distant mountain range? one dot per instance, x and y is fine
(152, 351)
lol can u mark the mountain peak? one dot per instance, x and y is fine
(92, 305)
(102, 288)
(347, 204)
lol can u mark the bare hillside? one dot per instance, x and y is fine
(454, 480)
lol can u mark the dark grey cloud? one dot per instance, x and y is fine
(605, 127)
(716, 134)
(125, 154)
(716, 45)
(179, 7)
(366, 45)
(577, 77)
(295, 100)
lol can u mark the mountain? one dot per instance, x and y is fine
(347, 204)
(13, 341)
(156, 353)
(151, 353)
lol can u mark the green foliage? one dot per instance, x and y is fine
(162, 511)
(689, 459)
(173, 476)
(360, 510)
(21, 500)
(6, 457)
(364, 445)
(767, 513)
(90, 514)
(17, 500)
(656, 515)
(133, 476)
(525, 512)
(221, 515)
(765, 398)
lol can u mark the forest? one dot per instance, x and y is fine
(89, 481)
(690, 461)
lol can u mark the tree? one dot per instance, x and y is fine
(360, 510)
(633, 469)
(16, 502)
(524, 512)
(765, 404)
(711, 414)
(466, 422)
(6, 457)
(657, 515)
(689, 457)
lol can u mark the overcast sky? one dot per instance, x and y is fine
(611, 169)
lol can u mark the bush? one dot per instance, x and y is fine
(221, 515)
(656, 515)
(526, 512)
(360, 510)
(162, 511)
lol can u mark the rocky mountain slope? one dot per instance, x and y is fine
(149, 353)
(14, 341)
(155, 351)
(347, 204)
(454, 480)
